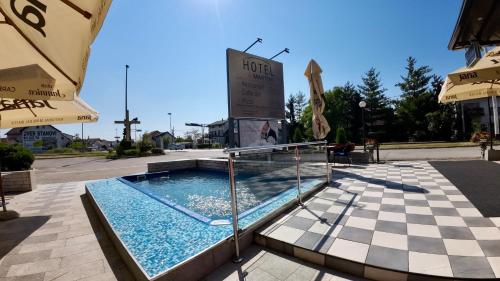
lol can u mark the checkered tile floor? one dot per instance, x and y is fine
(404, 216)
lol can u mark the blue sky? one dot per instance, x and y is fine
(176, 51)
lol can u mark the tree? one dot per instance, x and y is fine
(378, 111)
(417, 101)
(416, 81)
(294, 109)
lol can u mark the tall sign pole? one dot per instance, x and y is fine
(128, 137)
(126, 122)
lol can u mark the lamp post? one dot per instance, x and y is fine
(170, 116)
(362, 105)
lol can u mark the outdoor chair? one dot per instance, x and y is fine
(343, 151)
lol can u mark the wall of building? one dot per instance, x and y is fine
(50, 137)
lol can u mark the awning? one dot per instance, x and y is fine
(23, 113)
(478, 21)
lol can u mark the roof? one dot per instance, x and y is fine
(15, 131)
(479, 20)
(155, 134)
(217, 123)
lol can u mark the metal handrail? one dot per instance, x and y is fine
(265, 147)
(232, 183)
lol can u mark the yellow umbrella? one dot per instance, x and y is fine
(319, 123)
(453, 93)
(46, 45)
(487, 68)
(25, 113)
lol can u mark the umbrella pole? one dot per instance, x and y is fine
(2, 193)
(489, 124)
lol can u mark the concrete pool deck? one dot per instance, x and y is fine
(59, 236)
(400, 221)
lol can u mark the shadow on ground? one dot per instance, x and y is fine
(15, 231)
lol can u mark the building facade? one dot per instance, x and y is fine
(476, 113)
(218, 132)
(39, 138)
(160, 139)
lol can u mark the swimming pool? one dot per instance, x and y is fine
(163, 219)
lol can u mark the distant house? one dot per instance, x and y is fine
(39, 138)
(99, 144)
(218, 132)
(159, 138)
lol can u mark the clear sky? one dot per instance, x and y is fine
(176, 51)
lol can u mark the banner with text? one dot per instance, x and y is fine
(255, 86)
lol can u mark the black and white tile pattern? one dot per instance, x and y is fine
(402, 216)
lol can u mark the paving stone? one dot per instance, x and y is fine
(388, 258)
(454, 232)
(471, 267)
(391, 227)
(356, 234)
(426, 245)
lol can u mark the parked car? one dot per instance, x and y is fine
(174, 146)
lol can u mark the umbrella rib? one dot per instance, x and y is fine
(11, 23)
(78, 9)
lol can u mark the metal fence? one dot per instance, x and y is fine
(260, 173)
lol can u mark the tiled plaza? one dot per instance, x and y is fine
(57, 237)
(405, 217)
(401, 216)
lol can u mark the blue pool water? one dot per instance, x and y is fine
(160, 236)
(201, 192)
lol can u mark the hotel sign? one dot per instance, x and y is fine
(255, 86)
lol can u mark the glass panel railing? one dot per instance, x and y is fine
(264, 179)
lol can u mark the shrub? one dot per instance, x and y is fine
(61, 150)
(122, 146)
(130, 152)
(157, 151)
(111, 155)
(15, 157)
(478, 136)
(203, 146)
(340, 136)
(144, 146)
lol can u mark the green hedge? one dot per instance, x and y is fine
(15, 157)
(157, 151)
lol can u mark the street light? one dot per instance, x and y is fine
(362, 105)
(170, 115)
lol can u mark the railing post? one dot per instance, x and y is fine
(327, 164)
(297, 161)
(234, 210)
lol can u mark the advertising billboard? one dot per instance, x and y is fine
(255, 86)
(258, 132)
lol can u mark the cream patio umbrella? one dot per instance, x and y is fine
(480, 81)
(453, 93)
(24, 113)
(45, 46)
(486, 69)
(319, 123)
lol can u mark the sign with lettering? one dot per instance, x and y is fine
(255, 86)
